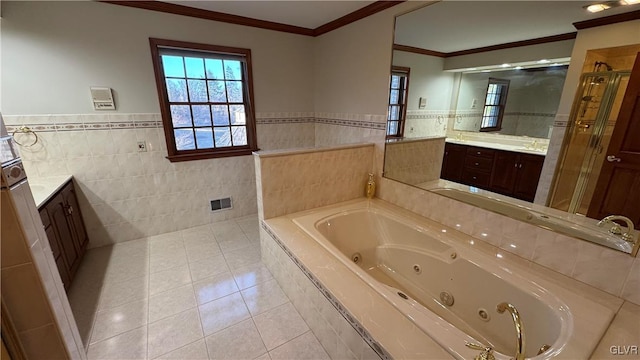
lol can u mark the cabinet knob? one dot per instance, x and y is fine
(477, 164)
(478, 153)
(475, 178)
(69, 209)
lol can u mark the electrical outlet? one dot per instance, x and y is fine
(474, 103)
(142, 146)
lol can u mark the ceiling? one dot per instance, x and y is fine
(461, 25)
(308, 14)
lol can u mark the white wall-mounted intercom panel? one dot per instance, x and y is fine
(102, 98)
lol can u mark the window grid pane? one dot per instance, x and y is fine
(217, 87)
(494, 104)
(397, 103)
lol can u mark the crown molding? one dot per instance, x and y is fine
(509, 45)
(177, 9)
(355, 16)
(607, 20)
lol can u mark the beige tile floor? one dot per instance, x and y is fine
(200, 293)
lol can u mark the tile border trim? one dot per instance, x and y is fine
(379, 349)
(352, 123)
(86, 122)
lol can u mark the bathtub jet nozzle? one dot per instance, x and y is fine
(356, 258)
(447, 298)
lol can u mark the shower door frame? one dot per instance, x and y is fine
(595, 139)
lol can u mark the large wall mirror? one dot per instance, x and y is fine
(475, 109)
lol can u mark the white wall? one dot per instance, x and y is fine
(427, 79)
(53, 51)
(557, 49)
(352, 73)
(353, 64)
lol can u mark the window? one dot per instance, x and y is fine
(398, 92)
(494, 105)
(206, 99)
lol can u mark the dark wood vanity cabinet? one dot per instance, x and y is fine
(478, 163)
(453, 162)
(505, 172)
(65, 230)
(527, 177)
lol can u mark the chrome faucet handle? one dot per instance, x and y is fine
(486, 354)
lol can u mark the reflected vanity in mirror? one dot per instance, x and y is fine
(474, 110)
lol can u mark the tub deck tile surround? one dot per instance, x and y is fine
(623, 334)
(293, 180)
(370, 315)
(603, 268)
(358, 301)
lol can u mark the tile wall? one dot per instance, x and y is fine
(421, 123)
(529, 124)
(606, 269)
(285, 130)
(291, 181)
(337, 335)
(560, 125)
(336, 129)
(537, 125)
(414, 162)
(128, 194)
(31, 287)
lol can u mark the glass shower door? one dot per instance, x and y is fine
(593, 117)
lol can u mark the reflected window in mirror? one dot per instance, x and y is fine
(398, 92)
(494, 104)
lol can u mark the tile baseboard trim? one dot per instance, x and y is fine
(364, 334)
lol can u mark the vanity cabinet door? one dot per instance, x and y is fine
(503, 174)
(529, 170)
(453, 162)
(66, 231)
(75, 217)
(58, 215)
(60, 264)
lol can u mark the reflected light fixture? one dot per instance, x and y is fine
(597, 7)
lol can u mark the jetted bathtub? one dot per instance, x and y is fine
(448, 289)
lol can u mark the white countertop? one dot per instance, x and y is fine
(498, 146)
(44, 188)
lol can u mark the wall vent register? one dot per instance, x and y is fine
(221, 204)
